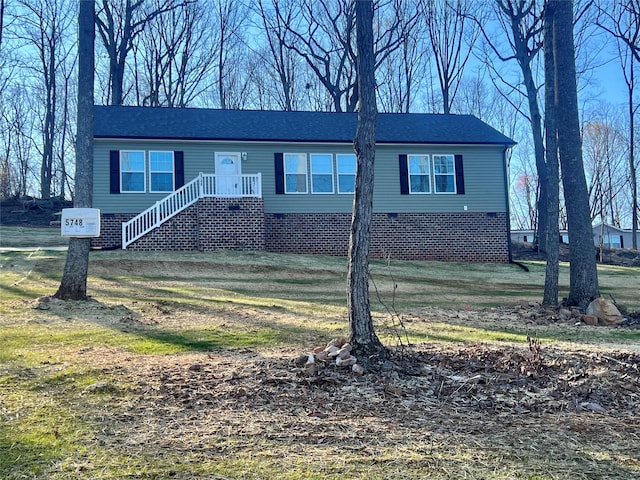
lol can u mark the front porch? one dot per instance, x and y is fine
(202, 187)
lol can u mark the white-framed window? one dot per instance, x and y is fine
(346, 167)
(419, 173)
(161, 172)
(321, 172)
(132, 171)
(444, 174)
(612, 241)
(295, 173)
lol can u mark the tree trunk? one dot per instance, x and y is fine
(363, 337)
(552, 190)
(583, 280)
(74, 279)
(635, 212)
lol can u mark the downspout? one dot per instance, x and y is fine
(506, 200)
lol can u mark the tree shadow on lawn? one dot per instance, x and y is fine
(156, 327)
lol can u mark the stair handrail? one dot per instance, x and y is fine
(200, 187)
(161, 211)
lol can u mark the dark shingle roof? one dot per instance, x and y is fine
(262, 125)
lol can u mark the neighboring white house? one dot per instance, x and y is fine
(605, 235)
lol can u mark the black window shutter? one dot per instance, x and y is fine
(404, 175)
(459, 175)
(278, 160)
(621, 241)
(114, 171)
(178, 164)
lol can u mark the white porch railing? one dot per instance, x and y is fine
(204, 185)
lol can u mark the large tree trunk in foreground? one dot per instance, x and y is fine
(363, 336)
(74, 279)
(552, 190)
(583, 274)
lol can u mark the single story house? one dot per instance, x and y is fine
(203, 179)
(603, 234)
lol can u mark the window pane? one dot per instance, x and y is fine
(419, 164)
(419, 183)
(161, 161)
(295, 168)
(322, 183)
(162, 182)
(132, 171)
(444, 184)
(295, 163)
(296, 183)
(321, 173)
(321, 164)
(161, 171)
(444, 173)
(346, 164)
(346, 183)
(132, 161)
(132, 182)
(419, 174)
(443, 164)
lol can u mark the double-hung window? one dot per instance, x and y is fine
(161, 175)
(132, 171)
(346, 166)
(295, 173)
(444, 174)
(321, 173)
(419, 174)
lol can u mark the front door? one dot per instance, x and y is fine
(228, 171)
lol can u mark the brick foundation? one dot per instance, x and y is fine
(220, 223)
(459, 237)
(211, 224)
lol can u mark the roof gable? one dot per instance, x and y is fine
(265, 125)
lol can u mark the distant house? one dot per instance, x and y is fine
(606, 235)
(613, 237)
(200, 179)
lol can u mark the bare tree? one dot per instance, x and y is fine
(552, 202)
(521, 22)
(44, 27)
(1, 21)
(231, 72)
(173, 57)
(583, 279)
(19, 139)
(119, 23)
(73, 285)
(452, 35)
(400, 75)
(275, 17)
(605, 151)
(323, 36)
(622, 21)
(363, 336)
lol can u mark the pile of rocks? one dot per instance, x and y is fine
(337, 352)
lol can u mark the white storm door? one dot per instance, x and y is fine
(228, 175)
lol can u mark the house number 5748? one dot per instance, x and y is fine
(73, 222)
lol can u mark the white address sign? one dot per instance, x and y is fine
(80, 222)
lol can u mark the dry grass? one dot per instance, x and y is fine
(182, 367)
